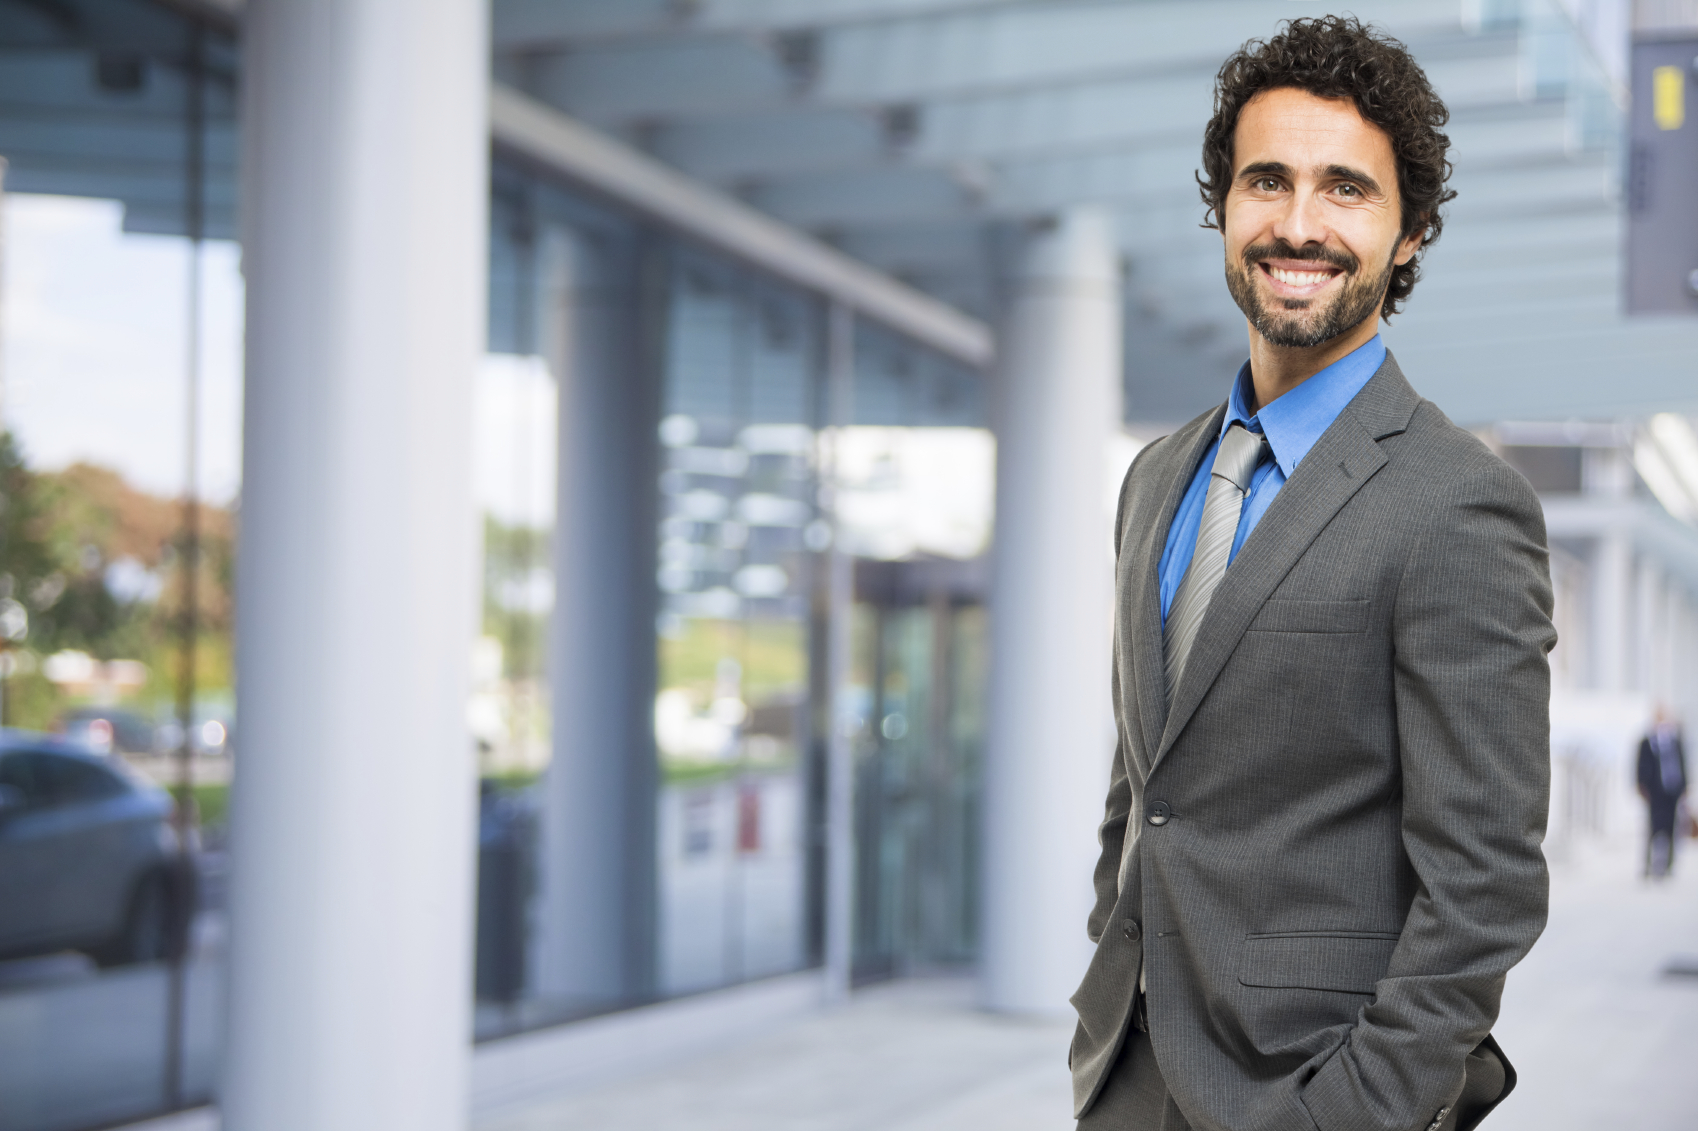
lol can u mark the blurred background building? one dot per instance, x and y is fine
(661, 455)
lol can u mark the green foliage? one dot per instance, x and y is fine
(511, 555)
(32, 552)
(513, 781)
(212, 802)
(773, 655)
(697, 773)
(31, 702)
(60, 532)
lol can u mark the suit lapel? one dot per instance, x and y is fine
(1345, 457)
(1144, 628)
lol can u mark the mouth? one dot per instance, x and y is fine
(1298, 279)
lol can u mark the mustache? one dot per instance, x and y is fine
(1280, 249)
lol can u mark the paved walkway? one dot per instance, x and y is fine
(1603, 1039)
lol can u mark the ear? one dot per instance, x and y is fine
(1411, 243)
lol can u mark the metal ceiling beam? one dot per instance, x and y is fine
(1045, 44)
(1145, 178)
(551, 139)
(996, 48)
(969, 138)
(530, 24)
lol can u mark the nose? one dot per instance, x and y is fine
(1302, 220)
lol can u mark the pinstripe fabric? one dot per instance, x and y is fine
(1322, 848)
(1135, 1097)
(1235, 461)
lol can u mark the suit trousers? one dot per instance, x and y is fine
(1134, 1097)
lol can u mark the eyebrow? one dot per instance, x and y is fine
(1346, 173)
(1333, 172)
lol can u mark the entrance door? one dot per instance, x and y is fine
(920, 656)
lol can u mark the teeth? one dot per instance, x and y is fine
(1299, 278)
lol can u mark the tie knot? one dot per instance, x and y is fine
(1240, 451)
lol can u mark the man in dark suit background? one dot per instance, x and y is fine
(1321, 844)
(1662, 783)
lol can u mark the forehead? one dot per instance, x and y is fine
(1304, 131)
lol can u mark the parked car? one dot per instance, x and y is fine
(101, 729)
(88, 857)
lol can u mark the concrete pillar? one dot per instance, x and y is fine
(595, 928)
(1607, 477)
(364, 201)
(839, 872)
(1683, 664)
(1050, 732)
(1650, 632)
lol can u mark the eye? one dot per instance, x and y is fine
(1267, 184)
(1348, 189)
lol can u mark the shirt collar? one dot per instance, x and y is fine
(1295, 421)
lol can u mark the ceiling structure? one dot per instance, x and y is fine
(98, 98)
(917, 134)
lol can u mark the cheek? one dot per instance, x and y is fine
(1240, 228)
(1370, 238)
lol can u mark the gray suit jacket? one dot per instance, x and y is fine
(1326, 850)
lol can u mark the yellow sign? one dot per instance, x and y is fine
(1668, 97)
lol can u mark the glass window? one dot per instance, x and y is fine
(594, 318)
(739, 528)
(120, 345)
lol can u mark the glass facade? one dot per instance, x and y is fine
(699, 383)
(728, 370)
(120, 349)
(739, 531)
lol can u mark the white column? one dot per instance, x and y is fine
(1650, 612)
(1050, 718)
(596, 912)
(840, 752)
(364, 199)
(1607, 476)
(1683, 663)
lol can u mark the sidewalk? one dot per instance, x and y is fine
(1602, 1037)
(902, 1057)
(1603, 1041)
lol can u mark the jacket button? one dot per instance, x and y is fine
(1130, 928)
(1157, 812)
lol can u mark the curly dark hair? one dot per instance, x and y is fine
(1340, 57)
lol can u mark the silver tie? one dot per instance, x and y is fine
(1235, 462)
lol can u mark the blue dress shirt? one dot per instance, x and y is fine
(1292, 424)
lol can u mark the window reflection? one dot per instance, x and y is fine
(120, 345)
(735, 566)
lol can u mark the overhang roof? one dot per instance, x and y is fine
(914, 133)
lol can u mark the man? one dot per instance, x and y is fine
(1662, 783)
(1321, 849)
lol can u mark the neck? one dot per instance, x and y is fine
(1276, 370)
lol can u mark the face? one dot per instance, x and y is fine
(1312, 218)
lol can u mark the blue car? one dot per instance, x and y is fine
(89, 858)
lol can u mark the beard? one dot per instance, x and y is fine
(1298, 324)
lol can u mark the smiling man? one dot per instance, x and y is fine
(1321, 847)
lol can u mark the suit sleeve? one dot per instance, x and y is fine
(1471, 630)
(1111, 833)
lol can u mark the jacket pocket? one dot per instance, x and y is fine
(1348, 961)
(1279, 615)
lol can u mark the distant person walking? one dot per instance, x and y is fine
(1321, 844)
(1662, 783)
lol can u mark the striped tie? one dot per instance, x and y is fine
(1235, 462)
